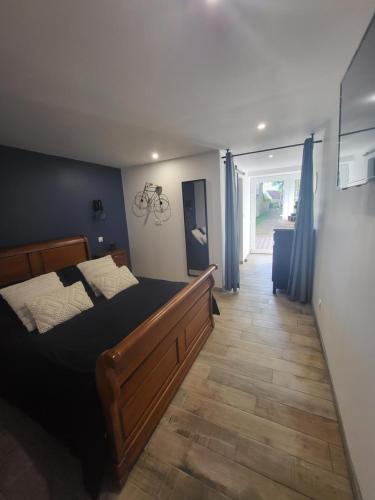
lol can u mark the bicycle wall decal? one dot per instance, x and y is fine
(151, 200)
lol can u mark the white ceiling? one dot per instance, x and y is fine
(110, 81)
(282, 160)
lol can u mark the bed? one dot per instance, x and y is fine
(133, 371)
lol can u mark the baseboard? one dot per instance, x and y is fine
(352, 475)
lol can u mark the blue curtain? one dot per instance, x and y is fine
(301, 265)
(232, 261)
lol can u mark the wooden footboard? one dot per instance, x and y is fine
(137, 379)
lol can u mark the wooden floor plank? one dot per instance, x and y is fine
(149, 476)
(186, 487)
(338, 459)
(299, 420)
(299, 329)
(271, 337)
(302, 476)
(258, 388)
(254, 359)
(312, 387)
(247, 325)
(260, 429)
(296, 354)
(251, 327)
(275, 464)
(217, 392)
(247, 368)
(131, 490)
(215, 470)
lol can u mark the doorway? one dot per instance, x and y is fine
(273, 206)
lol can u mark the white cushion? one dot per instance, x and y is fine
(94, 268)
(18, 295)
(59, 305)
(199, 236)
(115, 282)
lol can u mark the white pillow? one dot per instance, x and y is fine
(199, 236)
(59, 305)
(94, 268)
(115, 282)
(18, 295)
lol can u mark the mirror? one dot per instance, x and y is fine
(196, 231)
(357, 116)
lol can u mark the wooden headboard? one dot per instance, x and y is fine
(26, 261)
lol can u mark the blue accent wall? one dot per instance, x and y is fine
(45, 197)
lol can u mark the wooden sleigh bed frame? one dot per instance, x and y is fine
(136, 379)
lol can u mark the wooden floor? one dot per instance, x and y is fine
(254, 418)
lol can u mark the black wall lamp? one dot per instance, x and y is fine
(99, 212)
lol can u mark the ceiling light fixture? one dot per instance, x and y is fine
(155, 155)
(261, 126)
(270, 156)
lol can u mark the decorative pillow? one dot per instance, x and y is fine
(94, 268)
(59, 305)
(18, 295)
(200, 236)
(115, 282)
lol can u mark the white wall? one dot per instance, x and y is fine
(246, 217)
(159, 251)
(243, 214)
(345, 282)
(222, 206)
(240, 217)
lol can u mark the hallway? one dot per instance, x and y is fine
(254, 418)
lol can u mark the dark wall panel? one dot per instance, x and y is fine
(44, 197)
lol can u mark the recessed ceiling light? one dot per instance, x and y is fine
(211, 2)
(270, 156)
(261, 126)
(155, 155)
(372, 98)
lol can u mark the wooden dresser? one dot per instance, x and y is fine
(282, 250)
(119, 256)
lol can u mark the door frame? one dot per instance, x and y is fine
(288, 178)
